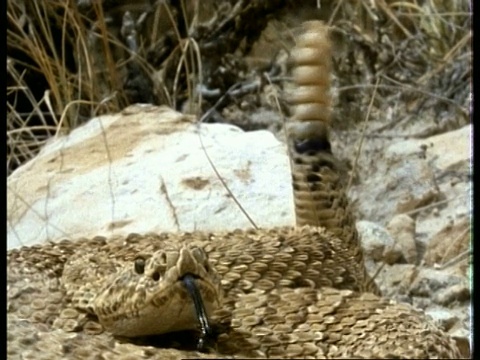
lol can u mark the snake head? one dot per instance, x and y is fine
(150, 296)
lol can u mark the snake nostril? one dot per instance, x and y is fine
(156, 276)
(139, 265)
(163, 258)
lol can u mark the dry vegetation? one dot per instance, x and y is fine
(68, 61)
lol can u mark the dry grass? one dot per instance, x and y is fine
(42, 75)
(420, 51)
(64, 68)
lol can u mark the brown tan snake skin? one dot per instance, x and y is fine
(298, 292)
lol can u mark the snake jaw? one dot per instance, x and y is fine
(153, 302)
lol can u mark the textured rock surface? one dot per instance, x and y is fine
(377, 243)
(145, 170)
(402, 230)
(428, 180)
(438, 149)
(412, 174)
(449, 244)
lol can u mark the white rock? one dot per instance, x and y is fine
(396, 280)
(377, 242)
(447, 151)
(449, 243)
(400, 185)
(444, 318)
(145, 170)
(402, 230)
(457, 292)
(413, 181)
(431, 282)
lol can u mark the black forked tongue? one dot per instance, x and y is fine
(205, 329)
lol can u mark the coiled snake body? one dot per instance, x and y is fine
(282, 292)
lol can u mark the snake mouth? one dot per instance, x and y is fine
(206, 332)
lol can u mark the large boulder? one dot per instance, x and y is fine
(145, 169)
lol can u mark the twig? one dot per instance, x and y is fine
(452, 244)
(460, 257)
(426, 207)
(205, 116)
(244, 88)
(163, 189)
(364, 129)
(404, 87)
(392, 16)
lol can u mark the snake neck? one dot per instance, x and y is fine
(319, 184)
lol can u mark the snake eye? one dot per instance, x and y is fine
(139, 265)
(163, 258)
(156, 276)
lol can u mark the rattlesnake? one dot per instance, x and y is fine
(281, 292)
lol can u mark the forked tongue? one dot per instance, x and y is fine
(206, 331)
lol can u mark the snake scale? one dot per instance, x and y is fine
(291, 292)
